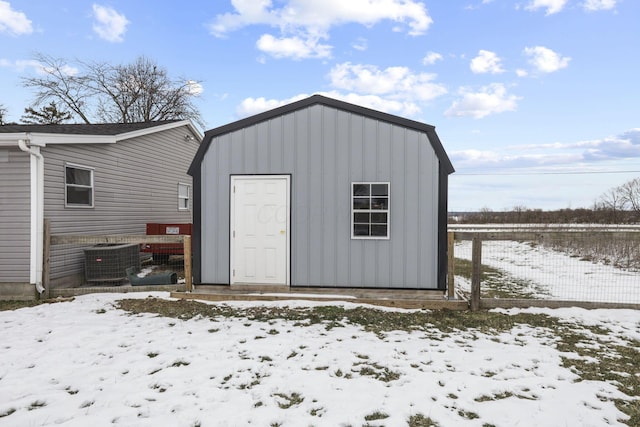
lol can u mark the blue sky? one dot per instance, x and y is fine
(537, 102)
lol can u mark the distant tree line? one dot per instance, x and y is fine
(618, 205)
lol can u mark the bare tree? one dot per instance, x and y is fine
(47, 115)
(3, 112)
(612, 201)
(630, 195)
(138, 92)
(60, 82)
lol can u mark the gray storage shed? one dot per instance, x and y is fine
(321, 193)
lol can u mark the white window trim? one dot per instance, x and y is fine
(180, 199)
(92, 186)
(387, 211)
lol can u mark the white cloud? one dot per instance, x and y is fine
(13, 22)
(552, 6)
(431, 58)
(360, 44)
(552, 156)
(251, 106)
(110, 25)
(490, 99)
(21, 65)
(546, 60)
(393, 82)
(522, 73)
(307, 21)
(293, 47)
(194, 88)
(486, 62)
(595, 5)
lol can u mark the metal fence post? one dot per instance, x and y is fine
(476, 261)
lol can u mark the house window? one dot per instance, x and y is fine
(78, 183)
(183, 197)
(370, 210)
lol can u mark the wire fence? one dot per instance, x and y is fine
(591, 265)
(115, 261)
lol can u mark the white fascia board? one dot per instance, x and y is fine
(42, 139)
(154, 129)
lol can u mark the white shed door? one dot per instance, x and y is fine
(260, 229)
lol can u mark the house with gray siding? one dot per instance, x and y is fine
(86, 179)
(321, 193)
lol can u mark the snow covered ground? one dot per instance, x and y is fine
(86, 363)
(552, 274)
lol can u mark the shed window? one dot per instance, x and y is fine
(78, 186)
(370, 210)
(183, 197)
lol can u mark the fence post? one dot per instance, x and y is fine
(476, 261)
(450, 266)
(46, 253)
(187, 263)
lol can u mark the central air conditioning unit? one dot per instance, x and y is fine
(109, 262)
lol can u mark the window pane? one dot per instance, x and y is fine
(379, 230)
(379, 218)
(360, 229)
(78, 176)
(360, 203)
(183, 191)
(79, 196)
(380, 203)
(360, 189)
(361, 218)
(379, 189)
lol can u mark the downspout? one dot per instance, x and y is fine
(37, 212)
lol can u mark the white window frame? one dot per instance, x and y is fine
(370, 210)
(181, 199)
(90, 186)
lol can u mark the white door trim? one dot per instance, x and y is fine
(232, 225)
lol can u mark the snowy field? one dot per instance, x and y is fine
(86, 363)
(543, 273)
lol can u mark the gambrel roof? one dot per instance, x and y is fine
(330, 102)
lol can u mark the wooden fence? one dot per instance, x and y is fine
(84, 239)
(480, 235)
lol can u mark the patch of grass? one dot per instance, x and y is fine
(152, 354)
(101, 311)
(420, 420)
(265, 359)
(87, 403)
(273, 332)
(15, 305)
(7, 412)
(179, 363)
(496, 396)
(36, 404)
(381, 373)
(286, 401)
(376, 416)
(71, 391)
(468, 414)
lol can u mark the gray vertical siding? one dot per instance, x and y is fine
(135, 182)
(326, 149)
(14, 216)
